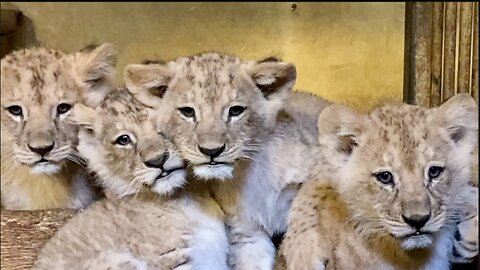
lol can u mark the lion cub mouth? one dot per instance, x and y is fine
(215, 163)
(166, 173)
(42, 160)
(417, 239)
(417, 233)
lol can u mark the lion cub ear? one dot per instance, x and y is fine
(148, 82)
(274, 78)
(83, 116)
(459, 115)
(341, 127)
(96, 65)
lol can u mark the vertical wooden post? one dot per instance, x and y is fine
(418, 54)
(437, 59)
(465, 46)
(449, 50)
(441, 51)
(474, 89)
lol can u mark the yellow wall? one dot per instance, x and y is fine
(347, 52)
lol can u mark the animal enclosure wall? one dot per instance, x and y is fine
(441, 51)
(348, 52)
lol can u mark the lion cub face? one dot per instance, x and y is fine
(121, 144)
(403, 167)
(38, 89)
(219, 106)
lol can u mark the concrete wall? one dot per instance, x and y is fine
(347, 52)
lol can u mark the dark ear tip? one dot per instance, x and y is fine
(270, 59)
(153, 62)
(89, 48)
(291, 71)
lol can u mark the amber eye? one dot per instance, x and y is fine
(63, 108)
(15, 110)
(435, 171)
(384, 177)
(123, 140)
(187, 111)
(236, 110)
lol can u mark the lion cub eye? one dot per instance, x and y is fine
(63, 108)
(236, 110)
(187, 111)
(15, 110)
(435, 171)
(384, 177)
(123, 140)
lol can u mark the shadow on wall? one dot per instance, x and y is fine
(16, 31)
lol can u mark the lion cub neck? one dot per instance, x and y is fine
(23, 190)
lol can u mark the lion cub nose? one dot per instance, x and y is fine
(416, 221)
(158, 161)
(212, 152)
(41, 150)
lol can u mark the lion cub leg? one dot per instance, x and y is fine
(309, 239)
(209, 248)
(251, 247)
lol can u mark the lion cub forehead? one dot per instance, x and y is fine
(209, 68)
(121, 108)
(404, 133)
(37, 61)
(209, 76)
(28, 73)
(404, 117)
(32, 57)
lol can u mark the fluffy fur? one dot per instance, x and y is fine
(357, 221)
(38, 87)
(210, 85)
(146, 222)
(465, 246)
(266, 147)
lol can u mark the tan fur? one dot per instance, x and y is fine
(355, 221)
(266, 145)
(211, 84)
(38, 80)
(147, 221)
(465, 245)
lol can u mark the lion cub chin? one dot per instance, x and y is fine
(38, 158)
(399, 191)
(149, 220)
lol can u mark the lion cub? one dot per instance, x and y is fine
(145, 222)
(234, 122)
(402, 180)
(38, 158)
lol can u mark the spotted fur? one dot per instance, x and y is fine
(357, 221)
(210, 84)
(266, 146)
(148, 221)
(465, 246)
(35, 83)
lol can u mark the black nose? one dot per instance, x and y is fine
(416, 221)
(212, 153)
(158, 161)
(42, 150)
